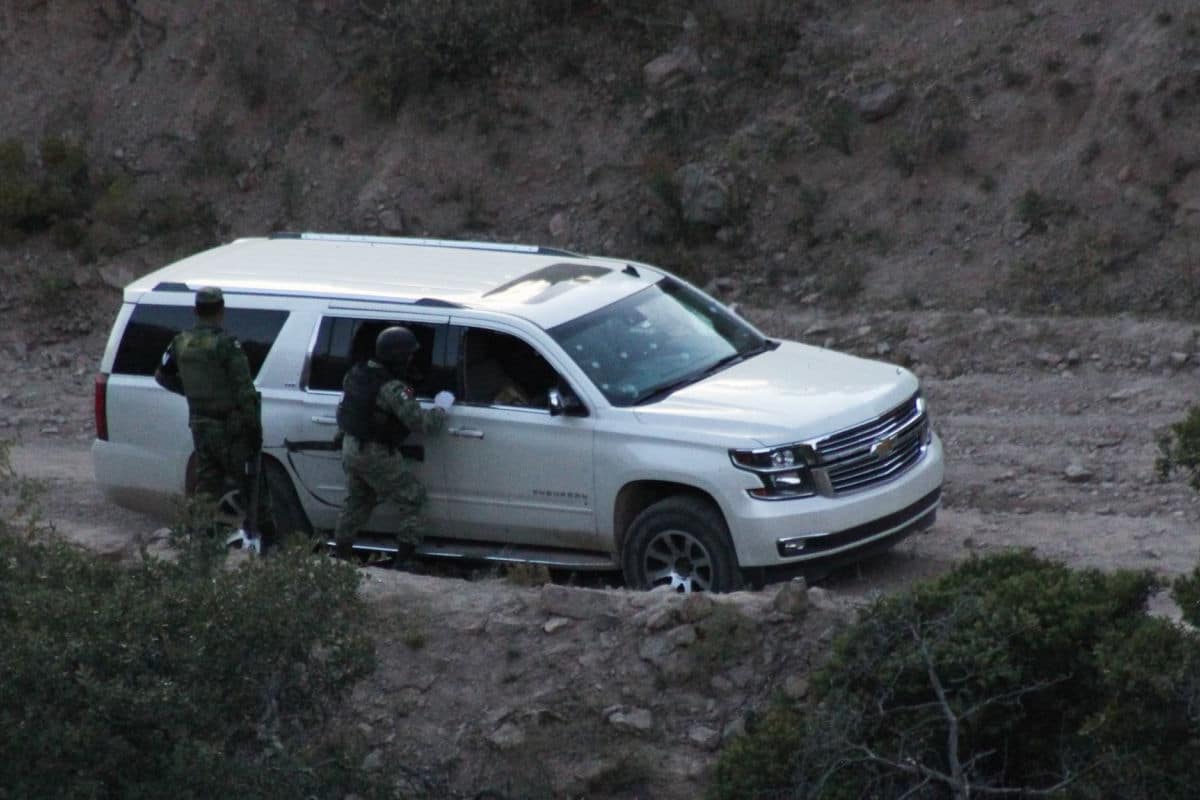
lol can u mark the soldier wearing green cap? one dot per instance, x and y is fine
(208, 367)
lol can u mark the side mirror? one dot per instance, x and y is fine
(561, 402)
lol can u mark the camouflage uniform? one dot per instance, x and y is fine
(377, 472)
(207, 366)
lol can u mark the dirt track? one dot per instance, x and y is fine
(1049, 428)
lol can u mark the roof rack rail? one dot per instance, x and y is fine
(500, 247)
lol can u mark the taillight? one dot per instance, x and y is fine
(101, 406)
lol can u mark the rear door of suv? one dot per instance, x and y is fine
(340, 337)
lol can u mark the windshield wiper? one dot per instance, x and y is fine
(737, 358)
(659, 392)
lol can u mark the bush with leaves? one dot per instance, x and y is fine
(183, 678)
(1186, 592)
(1009, 676)
(36, 196)
(416, 43)
(1179, 449)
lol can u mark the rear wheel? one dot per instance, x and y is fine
(290, 519)
(683, 543)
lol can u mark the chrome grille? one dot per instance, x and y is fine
(875, 451)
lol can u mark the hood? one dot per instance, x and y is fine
(792, 393)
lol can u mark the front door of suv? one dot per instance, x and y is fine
(514, 472)
(343, 338)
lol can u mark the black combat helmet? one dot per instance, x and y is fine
(209, 299)
(394, 346)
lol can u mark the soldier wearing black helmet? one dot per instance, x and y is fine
(207, 366)
(377, 411)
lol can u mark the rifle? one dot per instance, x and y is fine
(249, 536)
(252, 540)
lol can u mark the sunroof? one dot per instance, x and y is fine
(543, 284)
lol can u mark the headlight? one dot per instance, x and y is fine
(783, 471)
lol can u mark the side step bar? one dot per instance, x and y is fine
(496, 553)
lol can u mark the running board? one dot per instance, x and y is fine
(482, 551)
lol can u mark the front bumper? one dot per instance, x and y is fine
(769, 534)
(914, 517)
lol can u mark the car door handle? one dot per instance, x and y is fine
(467, 433)
(325, 420)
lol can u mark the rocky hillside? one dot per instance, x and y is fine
(1023, 156)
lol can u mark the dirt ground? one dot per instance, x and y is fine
(1050, 427)
(574, 689)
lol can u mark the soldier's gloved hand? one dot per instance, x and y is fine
(443, 400)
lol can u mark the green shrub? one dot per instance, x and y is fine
(98, 215)
(762, 35)
(187, 678)
(257, 64)
(171, 211)
(1146, 729)
(51, 292)
(416, 43)
(836, 124)
(845, 280)
(117, 203)
(723, 636)
(1009, 675)
(1034, 209)
(65, 189)
(1186, 591)
(1179, 449)
(935, 128)
(527, 574)
(37, 197)
(18, 188)
(65, 163)
(211, 156)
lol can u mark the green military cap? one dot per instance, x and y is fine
(209, 298)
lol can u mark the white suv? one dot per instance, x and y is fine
(609, 415)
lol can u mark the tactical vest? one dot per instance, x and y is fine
(202, 370)
(359, 416)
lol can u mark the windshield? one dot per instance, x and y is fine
(666, 336)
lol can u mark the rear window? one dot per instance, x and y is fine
(342, 341)
(151, 328)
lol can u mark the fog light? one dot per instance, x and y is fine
(788, 481)
(790, 548)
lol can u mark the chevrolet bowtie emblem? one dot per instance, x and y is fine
(883, 447)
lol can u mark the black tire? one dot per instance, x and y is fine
(290, 519)
(681, 542)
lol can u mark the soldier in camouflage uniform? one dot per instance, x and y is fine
(208, 367)
(377, 412)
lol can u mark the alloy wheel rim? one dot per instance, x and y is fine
(678, 559)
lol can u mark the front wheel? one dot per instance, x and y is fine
(683, 543)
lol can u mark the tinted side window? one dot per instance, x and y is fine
(151, 328)
(501, 370)
(342, 341)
